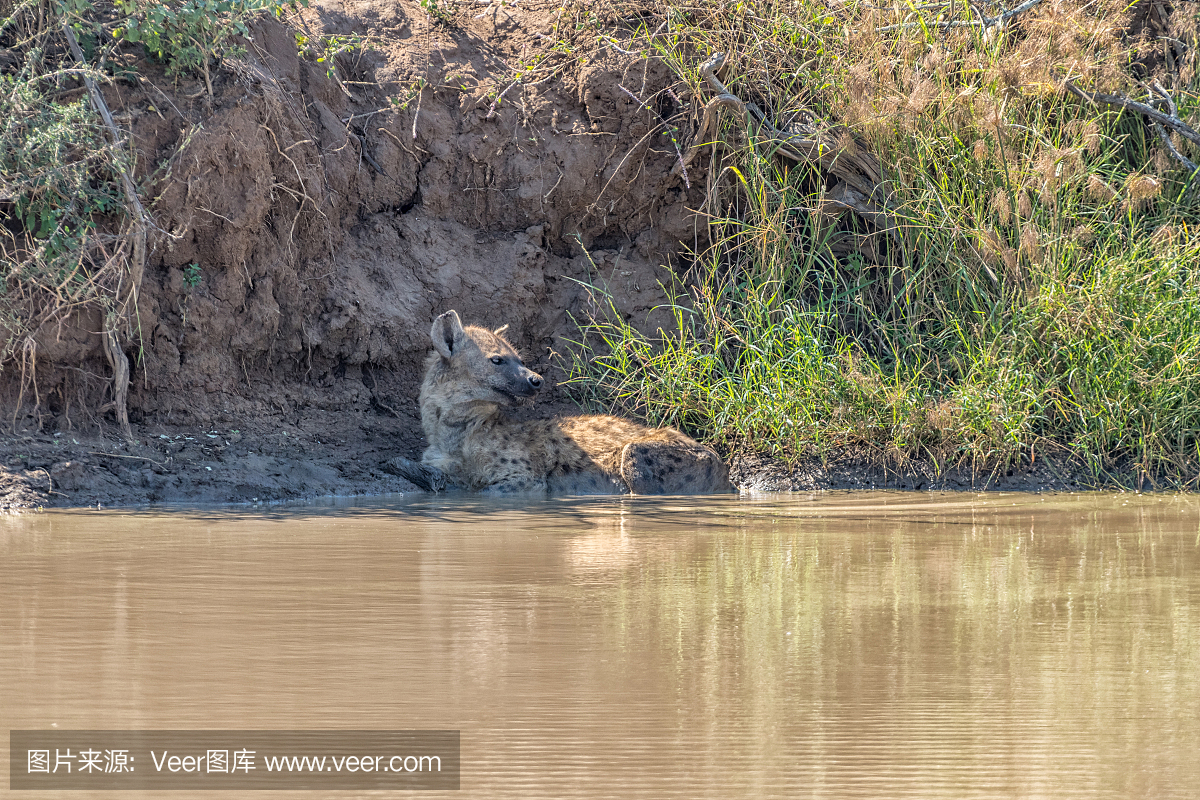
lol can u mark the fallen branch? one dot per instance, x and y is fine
(1166, 99)
(984, 23)
(1170, 120)
(1158, 120)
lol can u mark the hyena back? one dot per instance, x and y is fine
(473, 377)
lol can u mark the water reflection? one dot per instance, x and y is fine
(839, 645)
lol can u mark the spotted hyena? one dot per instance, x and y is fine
(471, 380)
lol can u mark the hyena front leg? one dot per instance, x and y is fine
(431, 479)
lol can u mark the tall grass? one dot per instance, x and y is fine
(1035, 289)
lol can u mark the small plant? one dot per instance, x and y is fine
(412, 93)
(189, 34)
(328, 48)
(192, 276)
(191, 279)
(438, 9)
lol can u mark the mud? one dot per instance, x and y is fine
(847, 470)
(320, 454)
(311, 226)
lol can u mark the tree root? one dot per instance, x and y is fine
(120, 367)
(137, 233)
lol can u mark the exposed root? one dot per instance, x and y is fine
(119, 455)
(28, 378)
(120, 367)
(137, 261)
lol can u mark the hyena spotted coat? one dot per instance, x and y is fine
(473, 377)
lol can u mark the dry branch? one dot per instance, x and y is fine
(1158, 120)
(859, 172)
(1170, 120)
(137, 234)
(1166, 99)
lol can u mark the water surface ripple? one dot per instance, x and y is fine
(825, 646)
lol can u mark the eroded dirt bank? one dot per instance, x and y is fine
(310, 228)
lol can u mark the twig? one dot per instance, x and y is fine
(636, 99)
(611, 42)
(147, 82)
(118, 455)
(417, 113)
(492, 111)
(365, 114)
(1154, 114)
(384, 406)
(403, 146)
(985, 22)
(546, 196)
(215, 214)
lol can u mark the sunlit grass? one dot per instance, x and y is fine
(1036, 291)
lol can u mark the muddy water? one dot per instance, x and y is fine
(840, 645)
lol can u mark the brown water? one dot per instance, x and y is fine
(838, 645)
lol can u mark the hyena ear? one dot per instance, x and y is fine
(500, 331)
(447, 333)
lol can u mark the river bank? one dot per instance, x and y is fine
(864, 254)
(326, 454)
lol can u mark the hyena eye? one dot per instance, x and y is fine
(497, 360)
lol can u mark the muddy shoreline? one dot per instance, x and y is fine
(333, 454)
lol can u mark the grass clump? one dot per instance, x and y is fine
(1020, 280)
(189, 35)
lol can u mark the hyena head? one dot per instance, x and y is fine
(475, 364)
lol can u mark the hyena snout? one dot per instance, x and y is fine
(513, 379)
(526, 382)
